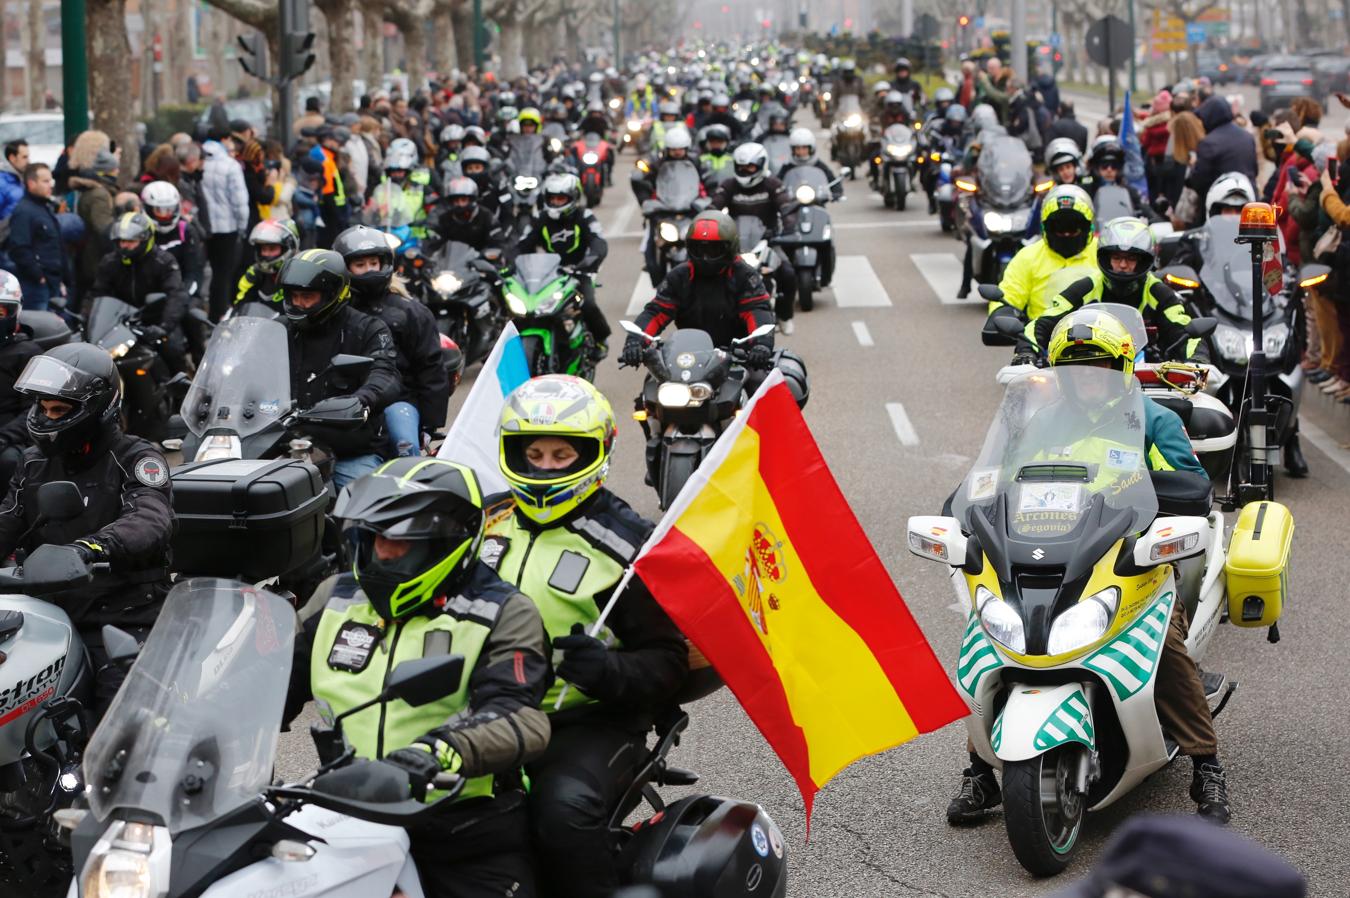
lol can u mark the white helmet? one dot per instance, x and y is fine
(679, 139)
(881, 87)
(1062, 150)
(401, 155)
(802, 137)
(1233, 190)
(640, 82)
(750, 161)
(163, 203)
(10, 289)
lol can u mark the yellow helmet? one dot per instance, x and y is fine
(1089, 335)
(1066, 219)
(568, 408)
(530, 114)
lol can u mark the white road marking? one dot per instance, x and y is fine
(1326, 442)
(869, 225)
(864, 336)
(642, 292)
(900, 421)
(942, 271)
(625, 213)
(856, 285)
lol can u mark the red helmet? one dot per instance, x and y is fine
(713, 242)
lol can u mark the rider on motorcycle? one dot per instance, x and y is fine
(596, 121)
(573, 233)
(477, 164)
(465, 220)
(137, 268)
(1226, 196)
(668, 119)
(565, 540)
(721, 115)
(678, 148)
(421, 364)
(715, 291)
(450, 144)
(802, 144)
(173, 232)
(753, 191)
(1066, 226)
(715, 158)
(274, 241)
(1064, 162)
(1125, 256)
(402, 166)
(1094, 337)
(16, 350)
(943, 99)
(1106, 161)
(417, 590)
(908, 85)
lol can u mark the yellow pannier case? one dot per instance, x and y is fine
(1257, 569)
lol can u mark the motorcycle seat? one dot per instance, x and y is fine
(1209, 423)
(1182, 493)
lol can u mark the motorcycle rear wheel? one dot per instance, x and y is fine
(1043, 816)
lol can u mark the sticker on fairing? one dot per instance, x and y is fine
(983, 484)
(492, 550)
(1050, 497)
(1122, 459)
(760, 840)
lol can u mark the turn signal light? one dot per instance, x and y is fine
(967, 186)
(1314, 280)
(1044, 186)
(1181, 282)
(640, 415)
(876, 159)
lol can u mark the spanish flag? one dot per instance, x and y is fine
(763, 566)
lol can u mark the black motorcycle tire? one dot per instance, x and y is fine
(593, 197)
(1024, 814)
(901, 191)
(806, 287)
(675, 473)
(535, 357)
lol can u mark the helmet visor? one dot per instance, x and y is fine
(706, 250)
(46, 376)
(544, 467)
(370, 505)
(748, 169)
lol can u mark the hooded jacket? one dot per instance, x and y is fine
(11, 189)
(95, 208)
(224, 190)
(1225, 148)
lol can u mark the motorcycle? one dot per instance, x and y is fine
(544, 299)
(1112, 201)
(205, 701)
(460, 294)
(821, 101)
(47, 329)
(849, 134)
(692, 392)
(637, 133)
(593, 163)
(1223, 289)
(528, 166)
(1069, 576)
(894, 173)
(778, 149)
(44, 721)
(1000, 198)
(148, 389)
(388, 212)
(813, 239)
(758, 252)
(668, 214)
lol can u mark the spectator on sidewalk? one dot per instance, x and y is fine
(35, 245)
(1067, 125)
(11, 176)
(95, 187)
(226, 197)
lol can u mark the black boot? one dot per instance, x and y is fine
(1294, 463)
(979, 792)
(1209, 790)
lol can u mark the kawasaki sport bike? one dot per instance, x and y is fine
(544, 300)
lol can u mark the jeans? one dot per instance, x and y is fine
(36, 297)
(404, 426)
(345, 470)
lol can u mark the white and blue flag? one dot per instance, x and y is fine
(472, 439)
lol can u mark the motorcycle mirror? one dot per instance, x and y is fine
(60, 500)
(393, 241)
(119, 644)
(991, 292)
(757, 332)
(201, 317)
(1008, 326)
(1201, 327)
(937, 539)
(636, 331)
(483, 266)
(422, 681)
(192, 288)
(354, 365)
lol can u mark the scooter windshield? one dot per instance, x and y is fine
(243, 385)
(778, 149)
(1064, 441)
(1227, 271)
(751, 230)
(535, 271)
(387, 208)
(192, 735)
(806, 175)
(1005, 172)
(525, 155)
(677, 185)
(105, 315)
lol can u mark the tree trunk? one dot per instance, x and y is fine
(110, 78)
(372, 28)
(37, 59)
(415, 49)
(512, 50)
(1345, 18)
(341, 52)
(462, 17)
(444, 58)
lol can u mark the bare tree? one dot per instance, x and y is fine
(259, 14)
(445, 50)
(410, 16)
(372, 29)
(37, 55)
(338, 15)
(110, 77)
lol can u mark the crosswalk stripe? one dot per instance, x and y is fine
(642, 292)
(942, 271)
(856, 285)
(862, 333)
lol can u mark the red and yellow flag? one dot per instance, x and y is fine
(763, 566)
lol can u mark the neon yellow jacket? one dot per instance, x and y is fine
(1026, 281)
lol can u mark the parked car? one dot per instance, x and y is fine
(1285, 79)
(257, 111)
(44, 131)
(1256, 66)
(1211, 64)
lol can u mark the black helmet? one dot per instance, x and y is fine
(1107, 151)
(434, 504)
(713, 242)
(360, 241)
(314, 269)
(81, 374)
(461, 198)
(717, 132)
(902, 63)
(708, 847)
(778, 121)
(133, 226)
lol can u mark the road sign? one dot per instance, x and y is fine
(1195, 33)
(1169, 34)
(978, 23)
(1109, 41)
(1056, 40)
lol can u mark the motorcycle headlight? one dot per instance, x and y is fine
(1233, 344)
(120, 349)
(219, 446)
(590, 158)
(1084, 623)
(526, 182)
(1000, 620)
(1019, 219)
(900, 150)
(673, 395)
(668, 232)
(997, 221)
(555, 145)
(634, 125)
(1275, 337)
(516, 305)
(853, 121)
(825, 96)
(446, 283)
(806, 194)
(124, 863)
(615, 103)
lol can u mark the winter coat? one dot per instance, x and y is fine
(95, 208)
(35, 246)
(1226, 147)
(224, 190)
(11, 189)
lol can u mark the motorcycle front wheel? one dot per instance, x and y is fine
(1042, 811)
(806, 288)
(676, 471)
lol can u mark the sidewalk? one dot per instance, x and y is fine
(1326, 424)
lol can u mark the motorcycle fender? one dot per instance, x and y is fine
(1036, 720)
(804, 257)
(944, 193)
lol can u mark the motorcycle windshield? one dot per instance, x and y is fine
(805, 175)
(455, 256)
(526, 155)
(1112, 201)
(192, 734)
(105, 314)
(898, 134)
(751, 230)
(1227, 271)
(535, 271)
(677, 184)
(387, 208)
(778, 150)
(1063, 441)
(849, 103)
(1005, 172)
(243, 384)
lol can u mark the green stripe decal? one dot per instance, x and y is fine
(1070, 722)
(1127, 662)
(977, 658)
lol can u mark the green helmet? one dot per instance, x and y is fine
(1066, 219)
(425, 517)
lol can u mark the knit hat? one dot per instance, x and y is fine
(1162, 102)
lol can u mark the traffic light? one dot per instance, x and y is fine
(254, 56)
(297, 53)
(963, 21)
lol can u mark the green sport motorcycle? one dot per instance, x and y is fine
(544, 298)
